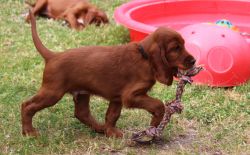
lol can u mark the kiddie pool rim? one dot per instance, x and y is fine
(122, 13)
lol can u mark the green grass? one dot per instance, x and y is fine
(214, 120)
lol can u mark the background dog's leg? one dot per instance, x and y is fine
(37, 8)
(83, 114)
(71, 19)
(112, 115)
(43, 99)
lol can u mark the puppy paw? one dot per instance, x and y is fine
(99, 128)
(113, 132)
(30, 132)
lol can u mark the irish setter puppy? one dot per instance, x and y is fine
(121, 74)
(77, 13)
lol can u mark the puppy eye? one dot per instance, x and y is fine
(177, 48)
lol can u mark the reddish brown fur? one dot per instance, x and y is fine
(70, 11)
(119, 74)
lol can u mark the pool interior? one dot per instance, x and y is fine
(177, 15)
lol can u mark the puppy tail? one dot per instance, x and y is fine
(46, 53)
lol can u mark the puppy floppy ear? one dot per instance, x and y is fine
(163, 73)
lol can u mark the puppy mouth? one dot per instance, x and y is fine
(191, 71)
(183, 69)
(188, 64)
(179, 68)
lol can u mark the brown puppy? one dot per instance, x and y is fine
(77, 13)
(121, 74)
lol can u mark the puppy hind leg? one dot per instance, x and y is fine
(83, 114)
(43, 99)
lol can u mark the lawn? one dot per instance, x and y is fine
(214, 120)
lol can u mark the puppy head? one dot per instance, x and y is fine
(169, 54)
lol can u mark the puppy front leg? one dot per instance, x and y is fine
(112, 115)
(137, 99)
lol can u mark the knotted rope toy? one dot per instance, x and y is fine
(153, 133)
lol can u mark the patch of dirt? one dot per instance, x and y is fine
(183, 140)
(168, 147)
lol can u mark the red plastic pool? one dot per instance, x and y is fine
(225, 53)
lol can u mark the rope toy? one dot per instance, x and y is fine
(153, 133)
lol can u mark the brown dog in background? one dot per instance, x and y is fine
(77, 13)
(121, 74)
